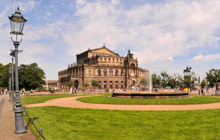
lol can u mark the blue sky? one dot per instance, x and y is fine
(175, 33)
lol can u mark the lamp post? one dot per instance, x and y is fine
(9, 82)
(17, 22)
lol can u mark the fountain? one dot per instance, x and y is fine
(149, 94)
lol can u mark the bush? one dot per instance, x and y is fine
(39, 89)
(107, 90)
(83, 89)
(51, 90)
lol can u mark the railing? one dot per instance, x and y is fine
(72, 65)
(31, 121)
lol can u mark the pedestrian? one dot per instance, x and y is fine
(75, 90)
(202, 91)
(72, 90)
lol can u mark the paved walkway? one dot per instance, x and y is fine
(71, 102)
(7, 122)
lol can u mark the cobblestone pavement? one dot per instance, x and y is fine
(71, 102)
(7, 122)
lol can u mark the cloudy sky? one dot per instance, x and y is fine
(174, 33)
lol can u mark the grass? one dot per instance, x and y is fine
(86, 124)
(106, 99)
(42, 98)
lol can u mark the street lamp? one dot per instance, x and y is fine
(17, 22)
(9, 82)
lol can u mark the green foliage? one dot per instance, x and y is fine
(107, 90)
(94, 124)
(39, 89)
(156, 80)
(31, 76)
(4, 75)
(203, 83)
(69, 84)
(165, 80)
(213, 77)
(51, 90)
(192, 100)
(143, 81)
(83, 89)
(189, 80)
(85, 85)
(94, 83)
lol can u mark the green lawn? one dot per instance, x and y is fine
(42, 98)
(107, 99)
(86, 124)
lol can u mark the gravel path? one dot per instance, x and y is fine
(7, 122)
(71, 102)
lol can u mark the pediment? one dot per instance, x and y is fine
(104, 50)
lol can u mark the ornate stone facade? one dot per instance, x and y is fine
(107, 67)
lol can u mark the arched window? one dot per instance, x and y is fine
(116, 72)
(99, 72)
(105, 72)
(100, 85)
(122, 72)
(116, 82)
(105, 84)
(111, 72)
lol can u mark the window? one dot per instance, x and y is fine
(111, 72)
(116, 86)
(122, 82)
(122, 86)
(105, 86)
(100, 86)
(116, 72)
(109, 59)
(111, 82)
(122, 72)
(99, 72)
(111, 86)
(105, 72)
(116, 82)
(105, 82)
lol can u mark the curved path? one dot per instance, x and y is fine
(71, 102)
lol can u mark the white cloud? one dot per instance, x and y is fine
(209, 57)
(198, 57)
(170, 58)
(172, 29)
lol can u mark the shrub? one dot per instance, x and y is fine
(83, 89)
(39, 89)
(107, 90)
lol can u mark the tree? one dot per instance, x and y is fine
(213, 77)
(31, 76)
(4, 76)
(164, 79)
(143, 81)
(69, 84)
(94, 83)
(189, 80)
(85, 85)
(203, 83)
(156, 80)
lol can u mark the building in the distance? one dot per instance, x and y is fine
(107, 67)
